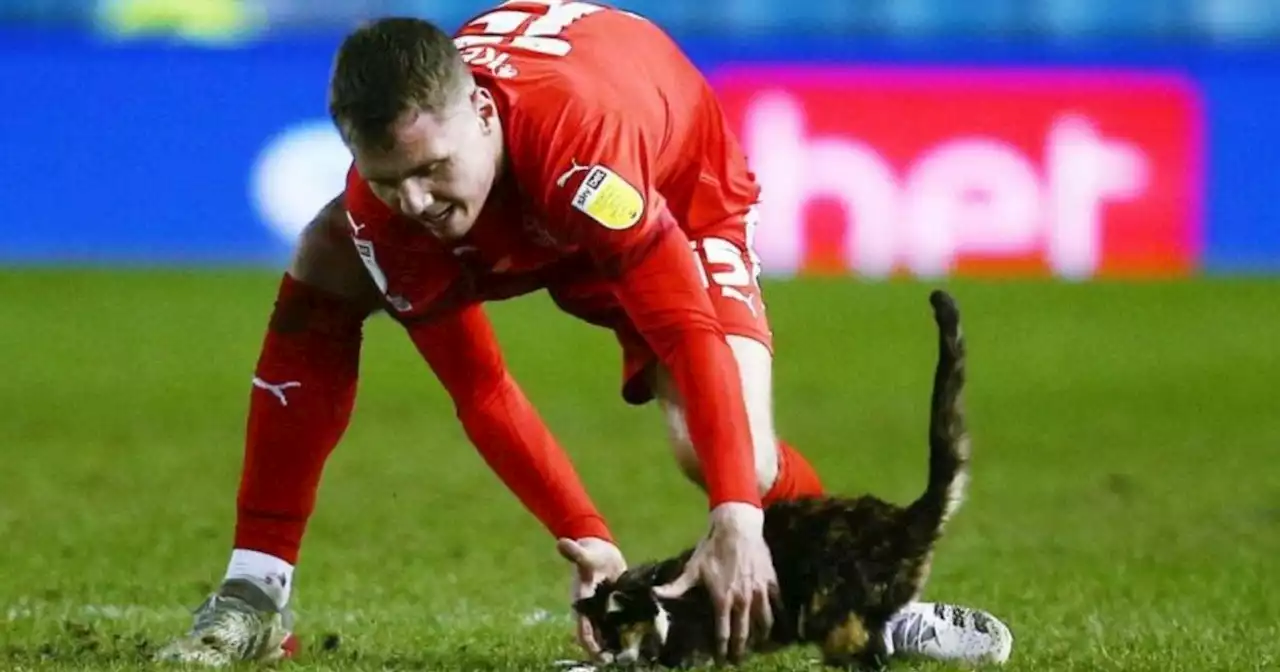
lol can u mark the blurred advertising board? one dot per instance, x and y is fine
(931, 171)
(875, 160)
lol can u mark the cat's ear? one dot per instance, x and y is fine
(618, 601)
(582, 605)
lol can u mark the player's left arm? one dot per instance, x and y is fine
(597, 189)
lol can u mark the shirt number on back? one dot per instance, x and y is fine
(513, 28)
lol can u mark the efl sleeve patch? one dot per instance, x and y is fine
(610, 200)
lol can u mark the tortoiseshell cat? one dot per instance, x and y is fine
(845, 565)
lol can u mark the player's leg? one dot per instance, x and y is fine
(302, 396)
(731, 271)
(781, 471)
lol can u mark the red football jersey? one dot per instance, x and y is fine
(619, 158)
(606, 125)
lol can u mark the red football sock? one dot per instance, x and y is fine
(303, 392)
(796, 477)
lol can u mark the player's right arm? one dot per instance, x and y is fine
(503, 425)
(509, 434)
(454, 336)
(507, 431)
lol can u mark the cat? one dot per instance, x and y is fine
(845, 565)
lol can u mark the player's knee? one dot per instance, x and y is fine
(755, 366)
(765, 452)
(322, 261)
(678, 435)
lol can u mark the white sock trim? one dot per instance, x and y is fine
(274, 573)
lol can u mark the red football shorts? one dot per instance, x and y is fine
(731, 275)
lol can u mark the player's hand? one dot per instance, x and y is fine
(734, 564)
(594, 561)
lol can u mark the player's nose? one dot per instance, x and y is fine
(414, 200)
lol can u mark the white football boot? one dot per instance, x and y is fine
(949, 633)
(241, 621)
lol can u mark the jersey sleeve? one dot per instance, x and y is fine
(592, 176)
(503, 425)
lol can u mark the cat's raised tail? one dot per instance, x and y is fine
(948, 434)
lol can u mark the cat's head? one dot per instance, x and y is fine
(631, 624)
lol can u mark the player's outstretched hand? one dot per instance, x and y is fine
(594, 561)
(734, 564)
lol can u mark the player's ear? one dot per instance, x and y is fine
(486, 109)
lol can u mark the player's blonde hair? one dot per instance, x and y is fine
(388, 67)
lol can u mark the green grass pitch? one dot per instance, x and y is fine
(1124, 511)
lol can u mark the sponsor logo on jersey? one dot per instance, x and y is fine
(609, 199)
(364, 248)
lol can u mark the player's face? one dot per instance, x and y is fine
(441, 166)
